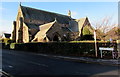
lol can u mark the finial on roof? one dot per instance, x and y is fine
(20, 3)
(86, 17)
(69, 13)
(55, 19)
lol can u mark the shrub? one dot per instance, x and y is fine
(6, 41)
(12, 45)
(87, 37)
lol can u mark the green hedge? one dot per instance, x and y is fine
(64, 48)
(73, 49)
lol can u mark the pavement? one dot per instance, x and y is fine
(115, 62)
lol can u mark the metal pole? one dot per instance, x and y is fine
(95, 43)
(101, 53)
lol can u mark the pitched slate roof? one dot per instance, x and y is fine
(32, 26)
(43, 29)
(36, 14)
(66, 29)
(7, 35)
(113, 33)
(46, 27)
(81, 21)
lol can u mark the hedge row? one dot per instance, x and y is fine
(69, 49)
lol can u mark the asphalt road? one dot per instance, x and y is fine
(33, 64)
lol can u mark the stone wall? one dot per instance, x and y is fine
(25, 33)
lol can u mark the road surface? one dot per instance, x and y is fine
(33, 64)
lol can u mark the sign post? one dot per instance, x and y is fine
(95, 43)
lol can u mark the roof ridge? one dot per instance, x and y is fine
(45, 11)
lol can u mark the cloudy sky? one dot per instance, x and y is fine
(95, 11)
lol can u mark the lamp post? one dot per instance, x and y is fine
(95, 43)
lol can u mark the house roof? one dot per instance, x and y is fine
(32, 26)
(81, 21)
(43, 29)
(36, 14)
(66, 29)
(7, 35)
(113, 34)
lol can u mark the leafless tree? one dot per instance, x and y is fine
(105, 24)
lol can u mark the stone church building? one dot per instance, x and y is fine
(34, 25)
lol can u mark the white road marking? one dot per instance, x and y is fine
(82, 73)
(42, 54)
(38, 64)
(10, 66)
(57, 56)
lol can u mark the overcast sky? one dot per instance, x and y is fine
(95, 11)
